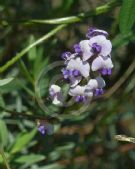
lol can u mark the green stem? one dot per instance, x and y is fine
(73, 19)
(4, 159)
(24, 51)
(99, 10)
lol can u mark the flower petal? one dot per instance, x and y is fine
(78, 90)
(100, 63)
(78, 64)
(105, 44)
(75, 80)
(101, 82)
(86, 49)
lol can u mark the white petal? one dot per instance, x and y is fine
(78, 90)
(56, 88)
(78, 64)
(100, 63)
(75, 81)
(105, 44)
(86, 49)
(101, 82)
(92, 84)
(56, 101)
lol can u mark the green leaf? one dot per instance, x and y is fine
(22, 141)
(32, 54)
(30, 159)
(53, 166)
(3, 134)
(5, 81)
(127, 16)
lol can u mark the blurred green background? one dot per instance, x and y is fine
(29, 42)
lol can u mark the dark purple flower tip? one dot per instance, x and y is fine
(105, 71)
(77, 48)
(109, 71)
(65, 55)
(98, 92)
(80, 98)
(76, 73)
(94, 32)
(96, 48)
(41, 129)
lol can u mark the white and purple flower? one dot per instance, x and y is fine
(102, 64)
(97, 45)
(56, 94)
(79, 94)
(93, 53)
(96, 86)
(75, 70)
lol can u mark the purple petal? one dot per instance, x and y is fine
(77, 48)
(41, 129)
(65, 55)
(96, 48)
(94, 32)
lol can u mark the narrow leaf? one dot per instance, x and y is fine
(30, 159)
(22, 141)
(3, 134)
(127, 16)
(5, 81)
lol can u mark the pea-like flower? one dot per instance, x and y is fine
(91, 55)
(56, 94)
(75, 70)
(103, 64)
(97, 45)
(79, 94)
(96, 86)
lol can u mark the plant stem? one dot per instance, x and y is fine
(4, 158)
(24, 51)
(73, 19)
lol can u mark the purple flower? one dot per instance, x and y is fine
(77, 48)
(95, 86)
(44, 128)
(77, 69)
(72, 76)
(100, 45)
(65, 55)
(55, 94)
(94, 32)
(79, 94)
(103, 64)
(78, 64)
(91, 53)
(41, 129)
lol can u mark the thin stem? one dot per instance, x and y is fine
(73, 19)
(28, 116)
(117, 85)
(24, 51)
(4, 158)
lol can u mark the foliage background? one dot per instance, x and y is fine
(85, 140)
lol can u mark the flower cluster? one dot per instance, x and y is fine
(85, 67)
